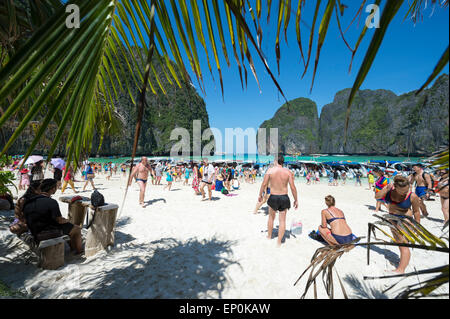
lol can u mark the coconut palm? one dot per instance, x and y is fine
(71, 75)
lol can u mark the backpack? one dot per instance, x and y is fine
(97, 199)
(224, 191)
(423, 177)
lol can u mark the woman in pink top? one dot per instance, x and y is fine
(68, 179)
(24, 179)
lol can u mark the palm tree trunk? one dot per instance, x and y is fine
(141, 101)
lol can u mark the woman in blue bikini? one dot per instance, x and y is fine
(339, 232)
(400, 200)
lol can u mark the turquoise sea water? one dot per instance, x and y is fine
(267, 159)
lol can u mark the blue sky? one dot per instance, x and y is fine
(406, 58)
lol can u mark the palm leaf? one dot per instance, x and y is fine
(443, 61)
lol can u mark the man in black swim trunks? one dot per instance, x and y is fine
(279, 178)
(141, 172)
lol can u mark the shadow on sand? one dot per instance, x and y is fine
(287, 234)
(390, 256)
(167, 268)
(361, 290)
(151, 202)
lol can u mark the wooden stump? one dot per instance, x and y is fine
(51, 253)
(101, 233)
(76, 211)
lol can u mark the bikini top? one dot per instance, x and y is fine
(405, 204)
(334, 218)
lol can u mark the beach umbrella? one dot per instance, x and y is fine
(58, 163)
(32, 159)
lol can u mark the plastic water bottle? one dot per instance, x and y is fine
(296, 227)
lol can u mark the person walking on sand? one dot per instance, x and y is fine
(443, 190)
(187, 172)
(344, 177)
(278, 177)
(380, 183)
(266, 195)
(424, 186)
(208, 176)
(88, 176)
(170, 173)
(358, 176)
(68, 179)
(335, 178)
(371, 180)
(140, 172)
(401, 200)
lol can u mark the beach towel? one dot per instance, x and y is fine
(316, 236)
(231, 195)
(381, 183)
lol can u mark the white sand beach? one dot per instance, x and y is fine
(181, 247)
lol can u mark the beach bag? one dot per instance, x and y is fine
(97, 199)
(296, 227)
(224, 191)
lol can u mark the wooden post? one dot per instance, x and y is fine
(101, 233)
(51, 253)
(76, 211)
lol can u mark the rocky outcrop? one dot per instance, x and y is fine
(297, 125)
(380, 123)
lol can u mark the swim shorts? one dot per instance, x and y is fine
(279, 202)
(421, 191)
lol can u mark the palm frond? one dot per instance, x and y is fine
(324, 260)
(414, 236)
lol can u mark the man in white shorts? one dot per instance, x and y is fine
(207, 180)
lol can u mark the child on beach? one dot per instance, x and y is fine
(186, 176)
(380, 183)
(330, 179)
(308, 178)
(371, 180)
(169, 179)
(24, 179)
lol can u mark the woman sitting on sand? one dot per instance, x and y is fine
(400, 200)
(339, 232)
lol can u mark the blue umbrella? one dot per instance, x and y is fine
(58, 163)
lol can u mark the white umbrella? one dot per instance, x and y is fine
(32, 159)
(58, 163)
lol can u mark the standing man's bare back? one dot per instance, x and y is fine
(279, 178)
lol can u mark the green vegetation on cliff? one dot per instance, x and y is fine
(380, 123)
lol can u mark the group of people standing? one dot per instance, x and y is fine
(406, 196)
(422, 185)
